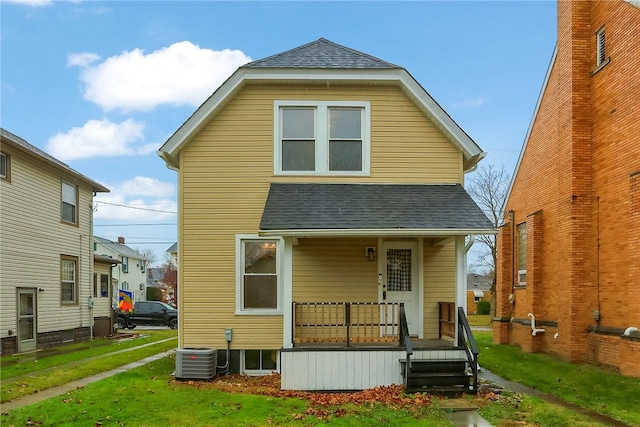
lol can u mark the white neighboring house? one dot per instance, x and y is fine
(173, 254)
(130, 274)
(46, 261)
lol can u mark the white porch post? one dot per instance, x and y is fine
(287, 292)
(461, 280)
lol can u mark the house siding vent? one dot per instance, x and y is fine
(196, 363)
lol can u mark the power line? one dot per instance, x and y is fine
(134, 207)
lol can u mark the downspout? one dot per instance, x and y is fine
(472, 238)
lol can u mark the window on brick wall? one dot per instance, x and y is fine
(521, 253)
(601, 51)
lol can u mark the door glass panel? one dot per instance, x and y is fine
(399, 269)
(26, 317)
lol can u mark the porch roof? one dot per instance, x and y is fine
(301, 210)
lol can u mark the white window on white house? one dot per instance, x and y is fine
(69, 203)
(521, 251)
(321, 138)
(68, 280)
(125, 264)
(601, 52)
(258, 281)
(260, 362)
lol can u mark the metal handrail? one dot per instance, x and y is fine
(405, 340)
(466, 340)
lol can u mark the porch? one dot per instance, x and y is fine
(355, 346)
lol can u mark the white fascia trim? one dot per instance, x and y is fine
(377, 232)
(531, 123)
(458, 136)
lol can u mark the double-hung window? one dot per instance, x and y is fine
(69, 203)
(68, 280)
(321, 138)
(258, 281)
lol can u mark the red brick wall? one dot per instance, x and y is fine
(583, 147)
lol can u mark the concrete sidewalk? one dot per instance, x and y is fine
(57, 391)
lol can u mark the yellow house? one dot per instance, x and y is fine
(322, 223)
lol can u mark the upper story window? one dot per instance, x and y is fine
(69, 203)
(601, 51)
(321, 138)
(125, 264)
(5, 167)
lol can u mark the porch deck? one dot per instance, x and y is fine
(417, 344)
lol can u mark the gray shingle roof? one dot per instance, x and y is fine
(321, 53)
(119, 248)
(371, 207)
(35, 151)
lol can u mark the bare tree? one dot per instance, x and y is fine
(488, 186)
(150, 255)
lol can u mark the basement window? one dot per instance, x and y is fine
(260, 362)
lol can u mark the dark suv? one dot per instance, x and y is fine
(148, 313)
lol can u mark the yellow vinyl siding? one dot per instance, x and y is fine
(439, 283)
(225, 172)
(334, 270)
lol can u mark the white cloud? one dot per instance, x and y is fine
(31, 3)
(141, 199)
(81, 59)
(100, 138)
(181, 74)
(469, 103)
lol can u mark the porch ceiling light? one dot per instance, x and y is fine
(370, 252)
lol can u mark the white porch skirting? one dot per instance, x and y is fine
(340, 369)
(345, 369)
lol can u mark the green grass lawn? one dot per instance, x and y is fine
(588, 386)
(32, 376)
(483, 320)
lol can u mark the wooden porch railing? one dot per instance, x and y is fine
(447, 318)
(345, 322)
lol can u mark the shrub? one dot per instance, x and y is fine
(484, 307)
(154, 294)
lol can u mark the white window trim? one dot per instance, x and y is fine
(240, 274)
(322, 137)
(259, 372)
(5, 175)
(520, 273)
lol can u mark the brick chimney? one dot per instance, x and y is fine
(121, 240)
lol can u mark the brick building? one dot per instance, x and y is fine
(569, 252)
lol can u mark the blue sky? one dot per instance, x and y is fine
(102, 85)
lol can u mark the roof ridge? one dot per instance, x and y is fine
(272, 61)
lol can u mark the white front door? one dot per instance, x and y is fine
(26, 320)
(400, 279)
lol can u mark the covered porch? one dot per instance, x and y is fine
(364, 269)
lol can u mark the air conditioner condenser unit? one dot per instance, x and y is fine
(196, 363)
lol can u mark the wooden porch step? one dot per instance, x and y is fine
(438, 379)
(446, 391)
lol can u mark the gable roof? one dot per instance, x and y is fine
(120, 248)
(321, 53)
(361, 209)
(321, 61)
(24, 146)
